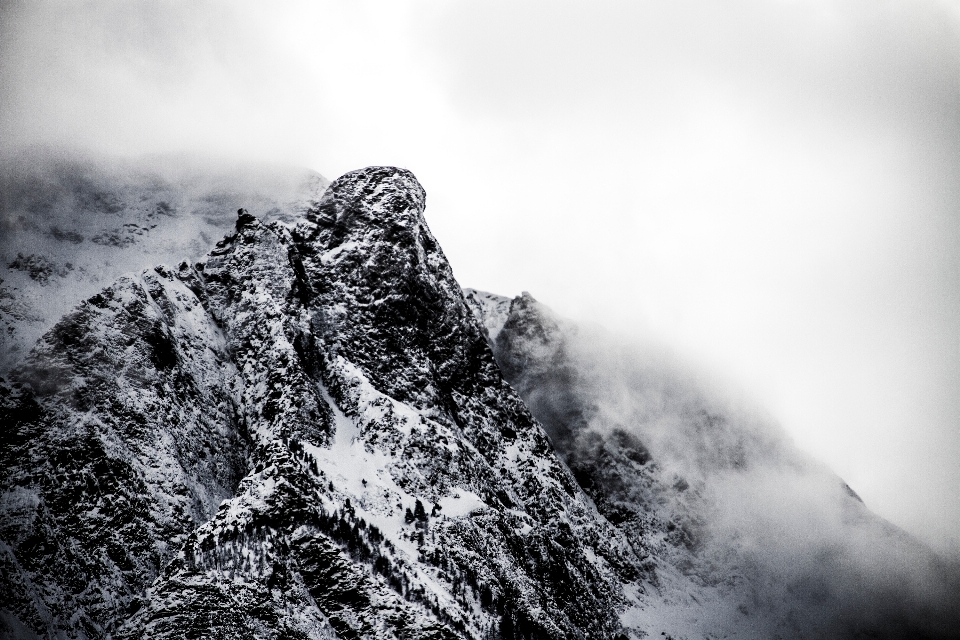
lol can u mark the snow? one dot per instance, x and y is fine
(491, 310)
(461, 503)
(363, 477)
(333, 254)
(346, 429)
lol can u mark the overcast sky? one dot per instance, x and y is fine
(772, 187)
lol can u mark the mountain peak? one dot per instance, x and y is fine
(351, 383)
(372, 196)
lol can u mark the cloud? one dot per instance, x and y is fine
(772, 541)
(770, 184)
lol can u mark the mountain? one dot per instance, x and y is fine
(313, 432)
(304, 435)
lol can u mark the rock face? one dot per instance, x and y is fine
(305, 435)
(313, 433)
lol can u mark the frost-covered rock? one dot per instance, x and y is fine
(313, 432)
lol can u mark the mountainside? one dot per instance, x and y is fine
(313, 432)
(71, 225)
(750, 537)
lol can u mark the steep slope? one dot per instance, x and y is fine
(751, 539)
(303, 436)
(71, 224)
(120, 437)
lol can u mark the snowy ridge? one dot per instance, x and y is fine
(492, 310)
(70, 225)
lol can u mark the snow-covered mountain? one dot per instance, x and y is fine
(313, 432)
(304, 434)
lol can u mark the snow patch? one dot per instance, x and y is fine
(461, 503)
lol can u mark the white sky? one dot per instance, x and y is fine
(770, 186)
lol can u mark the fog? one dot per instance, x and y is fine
(753, 537)
(769, 186)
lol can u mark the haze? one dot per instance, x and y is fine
(769, 186)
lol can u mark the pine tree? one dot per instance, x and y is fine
(419, 512)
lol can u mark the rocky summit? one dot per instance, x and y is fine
(308, 433)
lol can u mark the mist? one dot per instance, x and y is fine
(72, 223)
(770, 187)
(754, 538)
